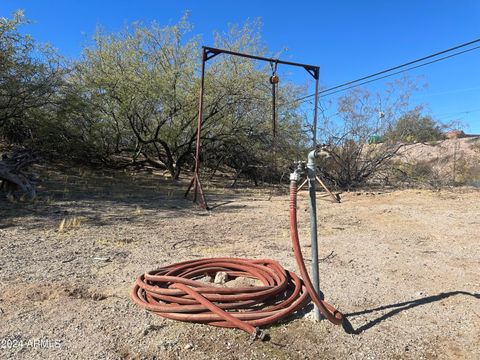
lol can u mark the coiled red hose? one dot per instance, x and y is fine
(174, 291)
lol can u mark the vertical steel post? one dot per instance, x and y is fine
(315, 108)
(196, 179)
(311, 175)
(274, 110)
(274, 126)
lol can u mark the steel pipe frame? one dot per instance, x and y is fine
(209, 53)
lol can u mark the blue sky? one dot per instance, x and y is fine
(347, 39)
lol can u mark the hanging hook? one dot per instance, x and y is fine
(274, 79)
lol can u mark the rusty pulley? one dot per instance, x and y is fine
(274, 79)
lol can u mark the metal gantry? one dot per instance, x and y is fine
(209, 53)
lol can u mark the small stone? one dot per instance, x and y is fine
(221, 278)
(207, 279)
(188, 346)
(151, 328)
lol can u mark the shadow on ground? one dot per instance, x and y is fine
(102, 196)
(396, 309)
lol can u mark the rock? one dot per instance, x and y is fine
(151, 328)
(207, 279)
(189, 346)
(455, 134)
(221, 278)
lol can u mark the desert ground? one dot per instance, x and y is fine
(403, 266)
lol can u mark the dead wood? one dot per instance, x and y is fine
(15, 177)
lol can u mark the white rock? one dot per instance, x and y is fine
(221, 278)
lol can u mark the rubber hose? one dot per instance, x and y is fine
(176, 291)
(327, 310)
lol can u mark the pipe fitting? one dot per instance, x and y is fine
(319, 151)
(322, 151)
(311, 159)
(298, 172)
(295, 176)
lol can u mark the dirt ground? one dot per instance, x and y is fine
(402, 265)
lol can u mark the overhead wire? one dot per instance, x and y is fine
(345, 86)
(401, 71)
(450, 114)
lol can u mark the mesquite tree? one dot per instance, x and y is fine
(142, 85)
(132, 99)
(30, 76)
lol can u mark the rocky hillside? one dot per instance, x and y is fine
(448, 161)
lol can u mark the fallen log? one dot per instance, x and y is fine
(15, 177)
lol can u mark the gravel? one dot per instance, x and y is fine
(402, 265)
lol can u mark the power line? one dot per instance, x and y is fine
(389, 75)
(401, 71)
(457, 113)
(392, 69)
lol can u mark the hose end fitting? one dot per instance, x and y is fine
(295, 176)
(258, 334)
(298, 171)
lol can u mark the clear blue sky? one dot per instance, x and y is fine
(347, 39)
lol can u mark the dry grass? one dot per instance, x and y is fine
(70, 223)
